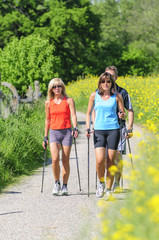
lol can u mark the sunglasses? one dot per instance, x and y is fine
(57, 86)
(104, 81)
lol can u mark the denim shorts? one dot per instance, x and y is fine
(61, 136)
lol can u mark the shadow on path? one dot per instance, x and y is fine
(1, 214)
(10, 192)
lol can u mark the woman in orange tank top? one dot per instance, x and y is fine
(60, 109)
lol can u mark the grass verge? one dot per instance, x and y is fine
(21, 142)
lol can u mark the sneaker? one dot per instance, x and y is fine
(100, 191)
(116, 188)
(56, 189)
(64, 190)
(108, 195)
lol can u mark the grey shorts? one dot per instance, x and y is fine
(123, 141)
(61, 136)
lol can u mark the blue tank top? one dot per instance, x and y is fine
(105, 113)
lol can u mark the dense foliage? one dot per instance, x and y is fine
(70, 26)
(28, 59)
(85, 36)
(129, 35)
(21, 142)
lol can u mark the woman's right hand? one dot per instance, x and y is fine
(45, 142)
(88, 133)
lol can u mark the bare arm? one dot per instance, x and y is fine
(130, 118)
(71, 104)
(121, 114)
(89, 110)
(47, 121)
(93, 116)
(130, 123)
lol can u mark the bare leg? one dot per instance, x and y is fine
(110, 161)
(119, 164)
(54, 148)
(65, 162)
(100, 162)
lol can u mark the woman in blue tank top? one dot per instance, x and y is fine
(106, 129)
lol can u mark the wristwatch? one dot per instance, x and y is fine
(75, 129)
(130, 130)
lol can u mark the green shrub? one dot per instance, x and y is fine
(21, 142)
(26, 60)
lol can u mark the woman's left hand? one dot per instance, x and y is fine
(75, 132)
(121, 115)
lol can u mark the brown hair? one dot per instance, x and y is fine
(113, 68)
(104, 76)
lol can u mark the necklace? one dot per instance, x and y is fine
(107, 96)
(58, 100)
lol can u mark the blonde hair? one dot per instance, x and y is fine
(54, 82)
(104, 76)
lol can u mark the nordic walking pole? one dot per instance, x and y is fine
(88, 167)
(77, 165)
(44, 167)
(130, 153)
(88, 132)
(96, 179)
(127, 132)
(121, 151)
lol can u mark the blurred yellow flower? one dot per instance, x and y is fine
(154, 173)
(137, 134)
(153, 205)
(113, 169)
(125, 212)
(140, 115)
(140, 209)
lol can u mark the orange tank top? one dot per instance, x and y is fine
(59, 114)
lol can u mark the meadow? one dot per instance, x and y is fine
(138, 217)
(144, 93)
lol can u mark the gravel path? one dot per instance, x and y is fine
(28, 214)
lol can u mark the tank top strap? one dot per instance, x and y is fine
(64, 98)
(96, 96)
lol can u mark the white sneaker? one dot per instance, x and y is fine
(108, 195)
(116, 187)
(56, 189)
(100, 191)
(64, 190)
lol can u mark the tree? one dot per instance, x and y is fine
(70, 25)
(19, 18)
(129, 35)
(113, 37)
(28, 59)
(74, 28)
(141, 55)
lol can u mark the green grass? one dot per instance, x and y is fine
(81, 104)
(21, 139)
